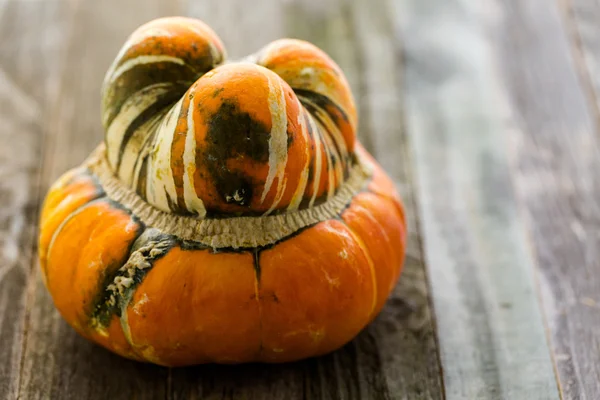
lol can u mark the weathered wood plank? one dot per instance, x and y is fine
(395, 357)
(30, 58)
(405, 332)
(56, 362)
(490, 327)
(556, 151)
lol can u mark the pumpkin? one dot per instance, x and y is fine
(230, 215)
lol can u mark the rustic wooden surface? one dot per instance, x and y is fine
(486, 115)
(480, 270)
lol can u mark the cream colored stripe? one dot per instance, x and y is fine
(277, 139)
(332, 129)
(373, 274)
(318, 159)
(331, 180)
(138, 168)
(301, 188)
(160, 176)
(327, 148)
(135, 39)
(143, 60)
(125, 321)
(60, 227)
(330, 172)
(133, 150)
(192, 202)
(145, 33)
(333, 136)
(145, 149)
(278, 195)
(136, 104)
(337, 165)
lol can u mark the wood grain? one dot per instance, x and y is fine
(491, 333)
(30, 60)
(56, 362)
(556, 157)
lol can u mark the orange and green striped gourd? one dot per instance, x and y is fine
(230, 215)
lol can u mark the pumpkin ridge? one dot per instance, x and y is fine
(361, 244)
(60, 227)
(78, 174)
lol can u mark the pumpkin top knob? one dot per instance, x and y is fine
(194, 135)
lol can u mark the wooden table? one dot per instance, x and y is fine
(484, 112)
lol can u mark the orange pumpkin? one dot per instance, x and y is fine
(230, 214)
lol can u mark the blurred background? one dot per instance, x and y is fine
(484, 112)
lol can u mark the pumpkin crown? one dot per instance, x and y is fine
(194, 135)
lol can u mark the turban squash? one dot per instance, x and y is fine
(230, 215)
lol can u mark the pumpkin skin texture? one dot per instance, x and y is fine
(230, 215)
